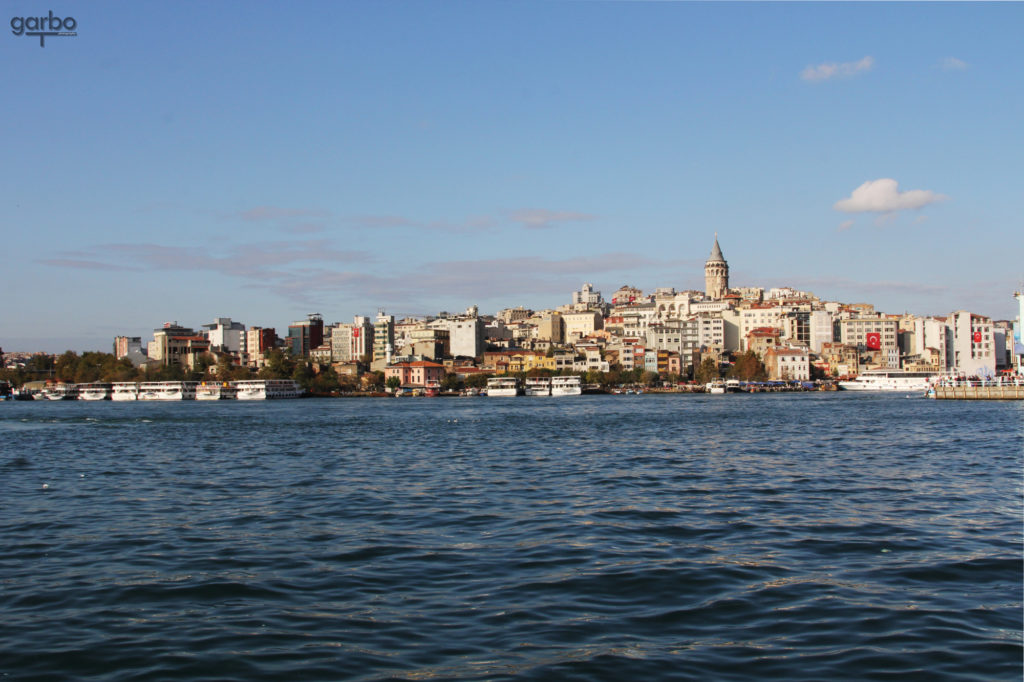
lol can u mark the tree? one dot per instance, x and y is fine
(451, 382)
(477, 380)
(393, 383)
(748, 367)
(707, 371)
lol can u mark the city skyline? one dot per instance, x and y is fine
(236, 160)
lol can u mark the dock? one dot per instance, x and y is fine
(990, 392)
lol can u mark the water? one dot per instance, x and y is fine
(803, 537)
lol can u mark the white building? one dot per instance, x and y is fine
(973, 345)
(225, 335)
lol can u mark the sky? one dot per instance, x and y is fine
(262, 161)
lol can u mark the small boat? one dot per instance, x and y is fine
(94, 391)
(60, 392)
(715, 387)
(537, 386)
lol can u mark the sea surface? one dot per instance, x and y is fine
(829, 536)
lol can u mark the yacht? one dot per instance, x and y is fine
(216, 390)
(538, 386)
(124, 390)
(95, 391)
(168, 390)
(890, 380)
(499, 387)
(716, 387)
(266, 389)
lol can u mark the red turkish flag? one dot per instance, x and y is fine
(977, 337)
(874, 340)
(355, 333)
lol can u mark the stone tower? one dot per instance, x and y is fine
(716, 274)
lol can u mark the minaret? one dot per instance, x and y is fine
(716, 274)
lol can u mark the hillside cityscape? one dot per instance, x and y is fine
(664, 336)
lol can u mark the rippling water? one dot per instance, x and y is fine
(808, 537)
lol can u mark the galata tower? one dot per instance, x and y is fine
(716, 274)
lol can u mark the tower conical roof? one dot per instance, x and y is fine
(716, 252)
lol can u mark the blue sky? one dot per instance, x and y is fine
(185, 161)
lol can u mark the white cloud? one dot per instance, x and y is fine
(954, 64)
(830, 70)
(845, 225)
(883, 196)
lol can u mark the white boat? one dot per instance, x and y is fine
(96, 391)
(502, 387)
(168, 390)
(538, 386)
(266, 389)
(60, 392)
(215, 390)
(715, 387)
(890, 380)
(124, 390)
(570, 385)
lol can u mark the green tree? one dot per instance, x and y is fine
(393, 383)
(452, 382)
(478, 380)
(66, 366)
(707, 371)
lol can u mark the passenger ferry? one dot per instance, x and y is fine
(570, 385)
(502, 387)
(59, 392)
(124, 390)
(96, 391)
(890, 380)
(168, 390)
(266, 389)
(538, 386)
(216, 390)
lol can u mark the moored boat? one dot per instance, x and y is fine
(168, 390)
(890, 380)
(569, 385)
(266, 389)
(215, 390)
(502, 387)
(124, 390)
(537, 386)
(94, 391)
(60, 392)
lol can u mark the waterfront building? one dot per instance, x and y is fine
(807, 328)
(582, 324)
(508, 315)
(627, 295)
(973, 343)
(465, 333)
(258, 340)
(716, 274)
(417, 374)
(305, 335)
(383, 340)
(351, 341)
(787, 364)
(875, 336)
(762, 339)
(842, 359)
(123, 345)
(587, 298)
(226, 336)
(760, 316)
(176, 345)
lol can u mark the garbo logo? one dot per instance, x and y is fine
(44, 26)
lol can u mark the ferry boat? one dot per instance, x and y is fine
(570, 385)
(168, 390)
(890, 380)
(502, 387)
(538, 386)
(95, 391)
(124, 390)
(60, 392)
(266, 389)
(216, 390)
